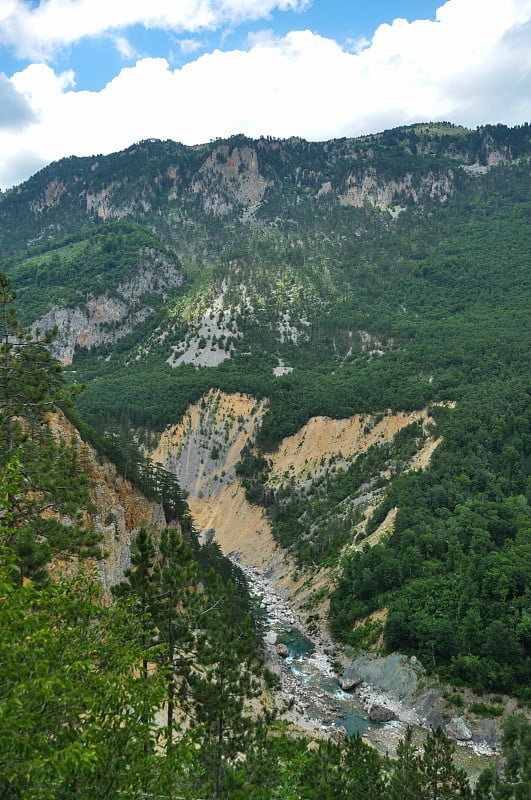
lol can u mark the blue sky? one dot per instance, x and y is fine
(96, 60)
(82, 77)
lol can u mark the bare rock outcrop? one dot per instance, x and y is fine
(350, 679)
(105, 319)
(381, 714)
(230, 176)
(458, 729)
(119, 510)
(282, 650)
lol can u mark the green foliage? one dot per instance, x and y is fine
(376, 313)
(223, 683)
(75, 719)
(28, 376)
(440, 779)
(453, 573)
(485, 709)
(513, 781)
(316, 521)
(78, 715)
(197, 627)
(90, 264)
(217, 573)
(51, 485)
(150, 478)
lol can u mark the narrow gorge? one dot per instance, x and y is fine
(203, 451)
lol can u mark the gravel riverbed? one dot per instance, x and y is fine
(310, 698)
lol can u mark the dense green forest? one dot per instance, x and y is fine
(82, 682)
(454, 574)
(424, 307)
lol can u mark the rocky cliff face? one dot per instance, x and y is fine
(106, 319)
(230, 177)
(238, 174)
(372, 189)
(119, 510)
(202, 452)
(203, 449)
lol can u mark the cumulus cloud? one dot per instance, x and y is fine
(472, 65)
(15, 111)
(37, 31)
(124, 47)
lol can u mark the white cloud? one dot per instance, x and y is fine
(38, 31)
(124, 47)
(188, 46)
(15, 111)
(471, 66)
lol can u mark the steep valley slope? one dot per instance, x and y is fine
(203, 450)
(276, 322)
(117, 512)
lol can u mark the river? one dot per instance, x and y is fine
(309, 685)
(317, 688)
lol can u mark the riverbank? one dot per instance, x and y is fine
(316, 705)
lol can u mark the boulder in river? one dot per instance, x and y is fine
(270, 637)
(282, 650)
(381, 714)
(350, 679)
(338, 733)
(458, 729)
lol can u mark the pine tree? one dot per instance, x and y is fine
(223, 683)
(51, 484)
(76, 718)
(405, 782)
(29, 382)
(441, 779)
(140, 587)
(175, 613)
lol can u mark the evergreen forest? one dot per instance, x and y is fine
(358, 277)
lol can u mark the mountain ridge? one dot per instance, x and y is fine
(344, 279)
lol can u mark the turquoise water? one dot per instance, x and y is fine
(343, 709)
(298, 645)
(354, 724)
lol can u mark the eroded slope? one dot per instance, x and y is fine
(203, 450)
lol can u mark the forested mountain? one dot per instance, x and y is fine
(359, 277)
(84, 682)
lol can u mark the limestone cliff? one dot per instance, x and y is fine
(373, 189)
(230, 177)
(202, 452)
(118, 510)
(105, 319)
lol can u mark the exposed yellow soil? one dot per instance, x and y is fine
(242, 530)
(240, 527)
(216, 498)
(323, 439)
(383, 530)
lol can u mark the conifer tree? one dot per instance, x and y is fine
(405, 782)
(174, 612)
(51, 484)
(28, 373)
(76, 718)
(141, 588)
(441, 779)
(222, 685)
